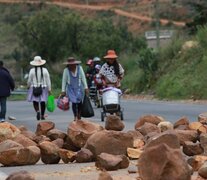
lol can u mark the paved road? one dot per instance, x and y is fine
(133, 109)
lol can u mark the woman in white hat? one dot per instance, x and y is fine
(38, 77)
(74, 84)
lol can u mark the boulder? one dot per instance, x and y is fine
(44, 127)
(163, 162)
(67, 156)
(79, 131)
(8, 131)
(111, 162)
(191, 149)
(182, 121)
(84, 155)
(150, 119)
(112, 142)
(49, 152)
(114, 122)
(23, 175)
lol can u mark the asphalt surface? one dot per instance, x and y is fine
(132, 110)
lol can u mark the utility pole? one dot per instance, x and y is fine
(157, 23)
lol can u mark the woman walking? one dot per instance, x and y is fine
(111, 71)
(74, 85)
(39, 78)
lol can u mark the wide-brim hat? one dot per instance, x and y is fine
(71, 60)
(111, 54)
(37, 61)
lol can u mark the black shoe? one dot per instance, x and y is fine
(42, 118)
(38, 116)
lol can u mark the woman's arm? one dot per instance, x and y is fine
(64, 79)
(83, 78)
(30, 77)
(47, 79)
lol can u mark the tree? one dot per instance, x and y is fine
(199, 13)
(55, 34)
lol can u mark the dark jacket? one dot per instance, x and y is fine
(6, 82)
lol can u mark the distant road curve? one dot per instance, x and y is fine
(99, 8)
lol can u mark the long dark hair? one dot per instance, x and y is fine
(115, 64)
(36, 72)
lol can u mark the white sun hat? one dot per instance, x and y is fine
(37, 61)
(96, 59)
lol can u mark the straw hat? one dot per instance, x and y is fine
(37, 61)
(111, 54)
(72, 60)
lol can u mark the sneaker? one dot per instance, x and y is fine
(38, 116)
(12, 118)
(2, 120)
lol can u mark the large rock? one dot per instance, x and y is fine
(164, 126)
(198, 127)
(203, 170)
(183, 121)
(14, 154)
(84, 155)
(104, 175)
(197, 161)
(161, 162)
(44, 127)
(147, 128)
(168, 137)
(79, 131)
(55, 134)
(111, 162)
(111, 142)
(202, 118)
(187, 135)
(114, 123)
(67, 156)
(25, 141)
(150, 119)
(8, 131)
(191, 149)
(21, 175)
(27, 133)
(49, 152)
(203, 142)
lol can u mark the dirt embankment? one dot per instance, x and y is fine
(98, 8)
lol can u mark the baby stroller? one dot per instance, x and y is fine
(111, 102)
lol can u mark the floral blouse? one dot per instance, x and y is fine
(109, 73)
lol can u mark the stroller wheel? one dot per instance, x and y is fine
(102, 116)
(121, 115)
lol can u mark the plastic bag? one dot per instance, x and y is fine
(63, 103)
(86, 108)
(51, 103)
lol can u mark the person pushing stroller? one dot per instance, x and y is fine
(111, 74)
(111, 71)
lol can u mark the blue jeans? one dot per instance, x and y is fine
(3, 107)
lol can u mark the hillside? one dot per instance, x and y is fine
(140, 14)
(154, 73)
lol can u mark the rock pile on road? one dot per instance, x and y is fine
(163, 150)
